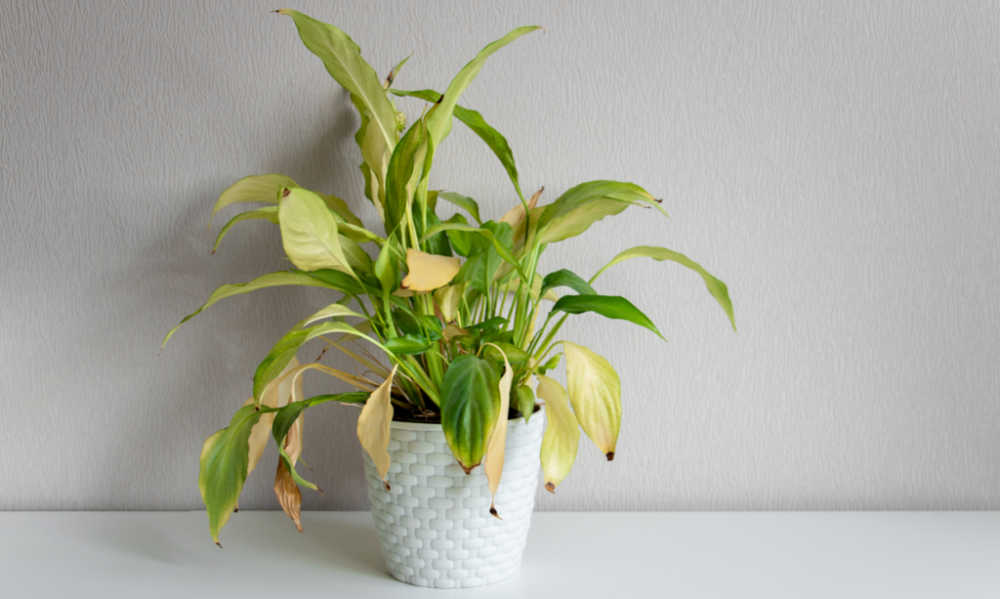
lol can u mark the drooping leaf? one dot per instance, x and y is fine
(275, 396)
(269, 213)
(497, 441)
(274, 279)
(566, 278)
(609, 306)
(439, 117)
(574, 211)
(716, 287)
(373, 427)
(254, 189)
(427, 272)
(339, 280)
(562, 433)
(288, 493)
(470, 405)
(342, 59)
(595, 392)
(224, 461)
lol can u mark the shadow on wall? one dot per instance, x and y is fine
(193, 386)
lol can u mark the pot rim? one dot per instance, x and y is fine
(428, 426)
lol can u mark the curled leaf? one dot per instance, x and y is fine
(429, 271)
(288, 493)
(274, 396)
(374, 427)
(261, 189)
(595, 392)
(562, 433)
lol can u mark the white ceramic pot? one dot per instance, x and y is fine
(434, 523)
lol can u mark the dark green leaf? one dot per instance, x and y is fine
(524, 401)
(407, 344)
(224, 462)
(470, 402)
(610, 306)
(565, 278)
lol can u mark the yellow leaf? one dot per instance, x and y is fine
(309, 232)
(429, 271)
(374, 425)
(448, 299)
(562, 433)
(595, 391)
(497, 440)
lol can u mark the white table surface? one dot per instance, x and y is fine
(569, 555)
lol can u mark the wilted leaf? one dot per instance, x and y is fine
(562, 433)
(224, 461)
(275, 396)
(429, 271)
(595, 392)
(336, 310)
(574, 211)
(268, 213)
(374, 424)
(448, 299)
(515, 217)
(288, 493)
(497, 440)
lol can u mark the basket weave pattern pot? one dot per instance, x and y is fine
(434, 524)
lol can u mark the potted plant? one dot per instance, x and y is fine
(452, 326)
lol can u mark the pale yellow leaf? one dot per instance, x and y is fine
(309, 232)
(448, 299)
(515, 216)
(374, 426)
(595, 392)
(562, 433)
(429, 271)
(497, 440)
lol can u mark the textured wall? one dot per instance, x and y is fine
(838, 164)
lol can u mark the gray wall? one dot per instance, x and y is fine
(838, 164)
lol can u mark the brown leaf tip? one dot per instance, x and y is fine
(285, 192)
(387, 486)
(551, 488)
(610, 455)
(236, 510)
(218, 544)
(494, 513)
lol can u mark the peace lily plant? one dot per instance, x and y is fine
(448, 320)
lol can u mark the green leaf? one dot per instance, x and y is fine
(475, 121)
(596, 394)
(524, 400)
(335, 310)
(439, 117)
(342, 211)
(274, 279)
(254, 189)
(410, 162)
(498, 242)
(574, 211)
(464, 202)
(609, 306)
(716, 287)
(224, 460)
(309, 232)
(269, 213)
(565, 278)
(470, 403)
(342, 59)
(386, 265)
(407, 344)
(338, 280)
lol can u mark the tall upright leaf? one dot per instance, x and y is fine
(439, 117)
(342, 59)
(715, 287)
